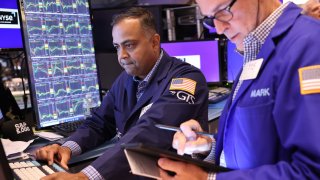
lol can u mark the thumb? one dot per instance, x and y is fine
(50, 157)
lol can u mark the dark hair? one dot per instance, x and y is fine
(146, 18)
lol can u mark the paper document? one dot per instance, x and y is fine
(49, 135)
(143, 165)
(12, 147)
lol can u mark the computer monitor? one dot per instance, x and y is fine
(10, 32)
(61, 59)
(201, 54)
(234, 62)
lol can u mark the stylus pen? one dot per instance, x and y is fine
(172, 128)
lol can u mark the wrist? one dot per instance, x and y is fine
(82, 176)
(66, 149)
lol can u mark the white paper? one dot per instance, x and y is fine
(143, 165)
(49, 135)
(11, 147)
(251, 69)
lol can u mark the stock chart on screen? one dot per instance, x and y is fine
(62, 65)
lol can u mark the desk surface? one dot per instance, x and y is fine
(86, 158)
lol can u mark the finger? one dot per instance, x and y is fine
(164, 175)
(179, 141)
(189, 128)
(175, 142)
(51, 176)
(174, 166)
(37, 153)
(50, 156)
(65, 157)
(194, 124)
(52, 151)
(42, 155)
(202, 144)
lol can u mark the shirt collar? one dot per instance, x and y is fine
(264, 29)
(255, 39)
(147, 78)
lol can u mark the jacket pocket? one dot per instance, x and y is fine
(256, 136)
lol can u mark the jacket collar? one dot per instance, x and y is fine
(284, 23)
(160, 73)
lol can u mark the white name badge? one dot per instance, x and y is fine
(251, 69)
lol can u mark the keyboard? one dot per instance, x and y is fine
(68, 127)
(218, 94)
(214, 113)
(32, 170)
(215, 109)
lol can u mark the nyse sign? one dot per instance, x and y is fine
(9, 18)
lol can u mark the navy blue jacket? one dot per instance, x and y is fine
(119, 110)
(271, 129)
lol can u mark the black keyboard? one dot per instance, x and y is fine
(68, 127)
(218, 94)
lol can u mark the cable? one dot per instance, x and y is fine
(20, 74)
(25, 96)
(202, 33)
(10, 58)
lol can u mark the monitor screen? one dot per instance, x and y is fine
(61, 60)
(201, 54)
(234, 61)
(10, 34)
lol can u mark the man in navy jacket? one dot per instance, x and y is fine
(154, 88)
(269, 128)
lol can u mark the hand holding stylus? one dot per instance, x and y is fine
(190, 138)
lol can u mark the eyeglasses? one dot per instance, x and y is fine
(223, 15)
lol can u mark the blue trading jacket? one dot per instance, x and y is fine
(119, 110)
(271, 130)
